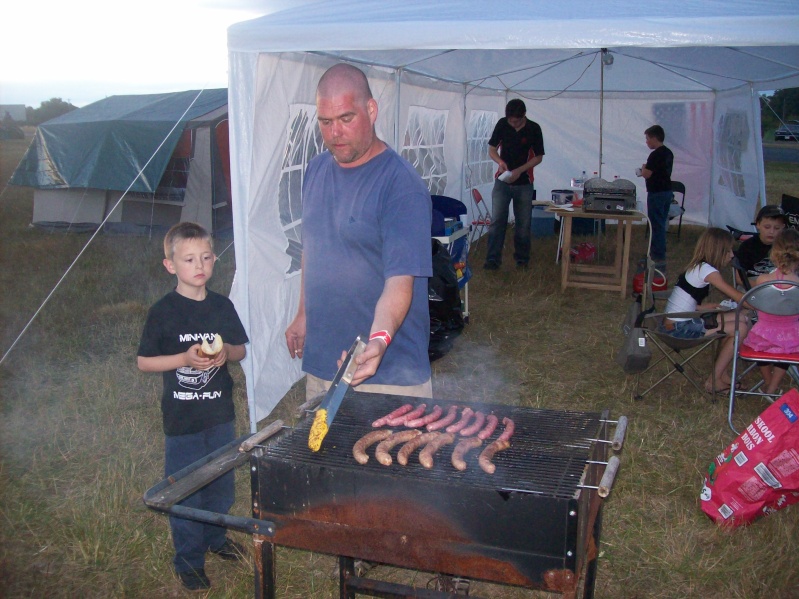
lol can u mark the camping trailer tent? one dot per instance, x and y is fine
(83, 162)
(593, 75)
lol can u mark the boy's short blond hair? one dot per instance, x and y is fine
(181, 232)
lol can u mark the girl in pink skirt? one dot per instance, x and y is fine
(778, 334)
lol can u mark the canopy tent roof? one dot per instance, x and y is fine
(541, 46)
(104, 145)
(695, 66)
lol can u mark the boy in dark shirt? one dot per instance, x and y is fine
(197, 399)
(657, 172)
(753, 253)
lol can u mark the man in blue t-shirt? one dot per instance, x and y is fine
(366, 220)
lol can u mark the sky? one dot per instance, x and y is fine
(87, 50)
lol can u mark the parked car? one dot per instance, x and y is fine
(788, 132)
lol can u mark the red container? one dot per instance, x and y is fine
(659, 282)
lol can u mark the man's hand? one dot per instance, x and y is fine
(295, 336)
(368, 361)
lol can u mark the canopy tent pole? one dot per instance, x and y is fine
(607, 59)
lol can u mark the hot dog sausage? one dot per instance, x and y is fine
(413, 415)
(479, 420)
(426, 455)
(488, 429)
(396, 413)
(466, 415)
(509, 428)
(381, 453)
(461, 449)
(452, 414)
(488, 454)
(431, 417)
(359, 449)
(406, 450)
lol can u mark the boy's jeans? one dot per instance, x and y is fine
(191, 538)
(657, 209)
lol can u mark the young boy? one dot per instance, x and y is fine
(753, 253)
(197, 399)
(657, 172)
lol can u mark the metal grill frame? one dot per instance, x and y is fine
(553, 552)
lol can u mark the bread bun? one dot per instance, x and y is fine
(210, 350)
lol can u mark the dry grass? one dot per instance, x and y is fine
(81, 435)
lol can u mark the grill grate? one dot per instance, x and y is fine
(547, 456)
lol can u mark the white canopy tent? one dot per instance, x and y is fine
(442, 73)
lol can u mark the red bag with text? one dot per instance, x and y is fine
(758, 473)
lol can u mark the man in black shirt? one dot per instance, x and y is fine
(517, 146)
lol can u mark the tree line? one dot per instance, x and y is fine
(783, 105)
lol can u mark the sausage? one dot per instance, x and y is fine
(431, 417)
(488, 429)
(461, 449)
(406, 450)
(452, 414)
(509, 428)
(417, 412)
(398, 412)
(381, 453)
(426, 455)
(479, 419)
(466, 415)
(359, 449)
(488, 454)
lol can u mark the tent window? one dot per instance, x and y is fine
(303, 142)
(732, 140)
(423, 146)
(480, 166)
(172, 186)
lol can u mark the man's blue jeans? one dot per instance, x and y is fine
(522, 198)
(657, 209)
(190, 537)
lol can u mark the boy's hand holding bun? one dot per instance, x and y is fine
(204, 356)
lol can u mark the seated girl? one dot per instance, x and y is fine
(712, 253)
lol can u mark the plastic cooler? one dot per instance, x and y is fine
(543, 222)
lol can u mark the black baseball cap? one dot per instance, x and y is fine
(771, 212)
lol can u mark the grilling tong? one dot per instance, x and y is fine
(330, 404)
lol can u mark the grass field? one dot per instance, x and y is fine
(81, 436)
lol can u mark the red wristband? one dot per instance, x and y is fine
(382, 335)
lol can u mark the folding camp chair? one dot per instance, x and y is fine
(780, 298)
(677, 355)
(482, 218)
(677, 208)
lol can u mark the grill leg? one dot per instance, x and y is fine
(591, 566)
(346, 569)
(264, 569)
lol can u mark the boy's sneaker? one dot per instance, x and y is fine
(195, 580)
(491, 265)
(230, 550)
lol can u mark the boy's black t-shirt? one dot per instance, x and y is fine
(192, 400)
(753, 255)
(661, 163)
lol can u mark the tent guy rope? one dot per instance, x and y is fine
(97, 231)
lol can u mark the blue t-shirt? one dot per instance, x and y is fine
(360, 226)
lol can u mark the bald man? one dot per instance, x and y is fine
(366, 251)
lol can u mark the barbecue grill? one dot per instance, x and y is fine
(534, 523)
(618, 196)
